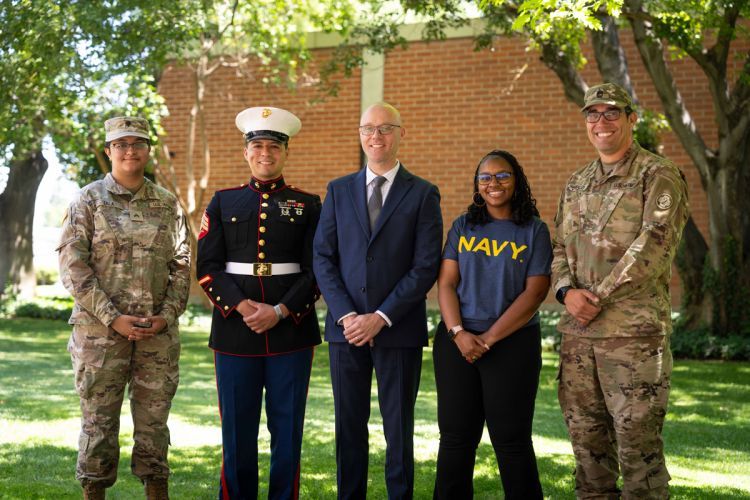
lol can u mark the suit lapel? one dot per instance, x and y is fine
(401, 185)
(358, 193)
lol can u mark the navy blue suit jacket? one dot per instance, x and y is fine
(390, 268)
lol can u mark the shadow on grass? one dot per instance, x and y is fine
(36, 377)
(706, 428)
(49, 472)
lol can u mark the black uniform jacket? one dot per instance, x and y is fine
(260, 222)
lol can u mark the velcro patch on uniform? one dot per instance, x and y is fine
(664, 201)
(205, 224)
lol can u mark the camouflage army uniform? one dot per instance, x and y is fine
(616, 236)
(124, 254)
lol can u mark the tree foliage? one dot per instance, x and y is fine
(67, 65)
(703, 30)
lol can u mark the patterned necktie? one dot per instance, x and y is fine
(375, 203)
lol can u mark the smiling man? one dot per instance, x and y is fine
(255, 265)
(377, 252)
(617, 229)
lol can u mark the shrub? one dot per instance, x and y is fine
(47, 276)
(700, 344)
(551, 338)
(45, 307)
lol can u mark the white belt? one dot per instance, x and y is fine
(262, 268)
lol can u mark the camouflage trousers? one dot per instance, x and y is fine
(105, 363)
(613, 394)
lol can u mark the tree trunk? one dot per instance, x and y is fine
(690, 262)
(728, 280)
(17, 222)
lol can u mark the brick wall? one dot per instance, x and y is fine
(456, 105)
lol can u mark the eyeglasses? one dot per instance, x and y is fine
(124, 146)
(500, 177)
(610, 115)
(386, 129)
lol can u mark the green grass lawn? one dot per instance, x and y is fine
(707, 433)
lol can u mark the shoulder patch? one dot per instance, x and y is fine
(664, 201)
(205, 225)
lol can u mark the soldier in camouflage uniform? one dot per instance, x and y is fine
(125, 259)
(618, 225)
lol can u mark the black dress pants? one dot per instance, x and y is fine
(500, 389)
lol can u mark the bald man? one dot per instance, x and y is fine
(376, 255)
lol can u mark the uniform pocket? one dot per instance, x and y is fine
(87, 354)
(623, 213)
(291, 231)
(651, 379)
(236, 228)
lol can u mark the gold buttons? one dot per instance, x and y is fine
(262, 229)
(261, 255)
(226, 307)
(211, 289)
(234, 219)
(291, 219)
(263, 216)
(218, 299)
(265, 196)
(261, 242)
(264, 205)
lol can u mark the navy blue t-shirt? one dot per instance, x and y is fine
(494, 260)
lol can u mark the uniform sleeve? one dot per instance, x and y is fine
(541, 253)
(665, 213)
(561, 273)
(178, 289)
(303, 293)
(221, 289)
(76, 273)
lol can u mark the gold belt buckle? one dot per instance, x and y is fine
(262, 269)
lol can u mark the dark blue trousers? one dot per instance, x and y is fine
(398, 372)
(240, 381)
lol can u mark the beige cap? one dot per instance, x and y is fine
(123, 126)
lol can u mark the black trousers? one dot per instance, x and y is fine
(500, 389)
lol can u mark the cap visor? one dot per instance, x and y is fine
(125, 133)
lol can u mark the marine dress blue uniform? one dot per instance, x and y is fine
(256, 242)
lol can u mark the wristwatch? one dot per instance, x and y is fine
(454, 331)
(561, 292)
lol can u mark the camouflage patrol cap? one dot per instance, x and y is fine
(123, 126)
(607, 93)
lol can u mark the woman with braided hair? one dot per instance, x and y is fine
(494, 275)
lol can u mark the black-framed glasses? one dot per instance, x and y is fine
(386, 129)
(124, 146)
(500, 177)
(610, 115)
